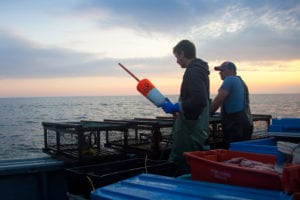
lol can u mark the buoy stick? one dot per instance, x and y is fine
(129, 72)
(147, 89)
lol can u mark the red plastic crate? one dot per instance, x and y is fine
(291, 178)
(209, 166)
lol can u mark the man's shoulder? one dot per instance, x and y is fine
(198, 66)
(232, 79)
(228, 82)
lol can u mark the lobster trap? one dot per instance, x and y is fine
(145, 135)
(81, 141)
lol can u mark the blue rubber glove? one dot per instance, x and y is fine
(176, 107)
(169, 107)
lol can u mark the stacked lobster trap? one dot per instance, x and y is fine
(88, 140)
(80, 141)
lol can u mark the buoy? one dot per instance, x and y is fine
(147, 89)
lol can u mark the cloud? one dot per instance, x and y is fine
(180, 15)
(245, 32)
(21, 58)
(263, 44)
(144, 16)
(248, 30)
(222, 30)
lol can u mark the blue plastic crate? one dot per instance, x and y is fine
(285, 125)
(149, 186)
(261, 146)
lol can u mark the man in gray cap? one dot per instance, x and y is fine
(233, 98)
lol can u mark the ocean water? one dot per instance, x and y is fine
(21, 133)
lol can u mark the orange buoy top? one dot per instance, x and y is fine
(145, 86)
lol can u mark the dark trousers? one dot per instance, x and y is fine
(236, 127)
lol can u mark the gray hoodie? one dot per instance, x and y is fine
(194, 92)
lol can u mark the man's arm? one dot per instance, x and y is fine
(218, 101)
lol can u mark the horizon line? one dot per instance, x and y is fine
(118, 95)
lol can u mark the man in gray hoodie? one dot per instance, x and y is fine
(190, 130)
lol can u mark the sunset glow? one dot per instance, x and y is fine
(72, 48)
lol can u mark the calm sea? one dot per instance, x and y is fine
(21, 131)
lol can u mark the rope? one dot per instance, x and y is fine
(91, 182)
(294, 149)
(146, 158)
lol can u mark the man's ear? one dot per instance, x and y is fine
(181, 55)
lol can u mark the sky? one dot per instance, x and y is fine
(73, 47)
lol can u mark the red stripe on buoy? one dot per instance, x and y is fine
(145, 86)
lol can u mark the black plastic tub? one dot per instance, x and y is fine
(82, 180)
